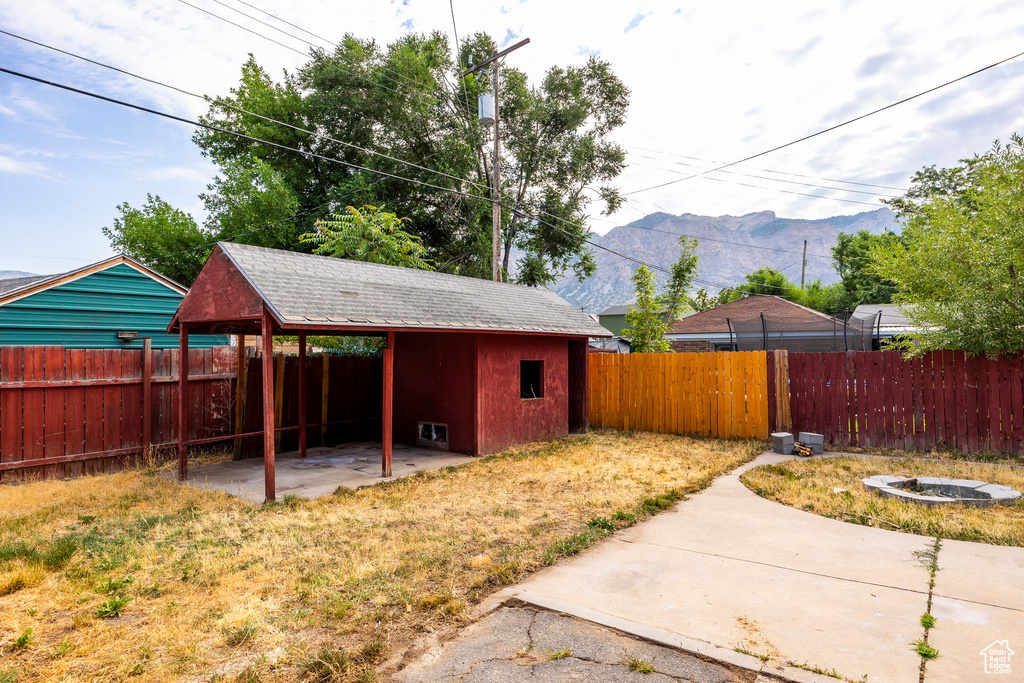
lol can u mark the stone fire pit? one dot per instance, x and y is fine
(935, 491)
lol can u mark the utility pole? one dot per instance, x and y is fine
(803, 266)
(496, 189)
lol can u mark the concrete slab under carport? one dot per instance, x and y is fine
(738, 571)
(320, 473)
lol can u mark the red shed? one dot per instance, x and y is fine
(471, 365)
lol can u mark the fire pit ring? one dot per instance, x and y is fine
(936, 491)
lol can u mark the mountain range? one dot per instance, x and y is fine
(729, 248)
(4, 274)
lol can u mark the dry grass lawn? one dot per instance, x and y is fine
(130, 576)
(810, 485)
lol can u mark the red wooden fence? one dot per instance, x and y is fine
(343, 404)
(941, 399)
(68, 412)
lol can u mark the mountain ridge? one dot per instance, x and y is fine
(729, 248)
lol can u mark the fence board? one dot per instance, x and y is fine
(1017, 404)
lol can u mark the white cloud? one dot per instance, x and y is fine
(188, 173)
(17, 166)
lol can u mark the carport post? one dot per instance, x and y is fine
(302, 394)
(183, 403)
(389, 374)
(267, 334)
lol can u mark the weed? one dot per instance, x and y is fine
(60, 552)
(559, 654)
(9, 675)
(373, 651)
(927, 620)
(784, 472)
(328, 665)
(634, 664)
(110, 586)
(241, 634)
(32, 611)
(112, 607)
(601, 524)
(832, 673)
(23, 641)
(927, 652)
(744, 651)
(627, 517)
(63, 647)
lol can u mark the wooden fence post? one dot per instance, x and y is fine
(183, 403)
(147, 396)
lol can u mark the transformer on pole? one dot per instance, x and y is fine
(487, 110)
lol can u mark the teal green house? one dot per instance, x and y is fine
(108, 305)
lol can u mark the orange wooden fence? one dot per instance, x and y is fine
(701, 394)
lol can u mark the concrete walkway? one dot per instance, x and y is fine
(321, 473)
(727, 570)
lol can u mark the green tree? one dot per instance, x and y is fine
(645, 319)
(768, 281)
(369, 235)
(249, 202)
(851, 257)
(674, 301)
(383, 108)
(161, 237)
(959, 264)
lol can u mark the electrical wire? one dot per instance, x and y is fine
(768, 170)
(759, 177)
(242, 110)
(830, 128)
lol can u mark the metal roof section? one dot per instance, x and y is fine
(12, 289)
(309, 291)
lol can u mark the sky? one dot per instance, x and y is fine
(710, 82)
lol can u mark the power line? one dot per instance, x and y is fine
(831, 128)
(761, 177)
(768, 170)
(243, 111)
(313, 155)
(244, 28)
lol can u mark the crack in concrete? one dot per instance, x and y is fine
(930, 559)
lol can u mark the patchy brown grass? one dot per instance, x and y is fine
(810, 485)
(132, 576)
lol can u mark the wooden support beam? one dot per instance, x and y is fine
(147, 394)
(302, 394)
(267, 333)
(183, 403)
(389, 374)
(324, 395)
(239, 393)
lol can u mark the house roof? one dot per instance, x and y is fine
(620, 309)
(780, 313)
(304, 291)
(19, 287)
(892, 316)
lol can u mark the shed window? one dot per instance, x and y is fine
(531, 379)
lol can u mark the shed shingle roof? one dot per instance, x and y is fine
(309, 290)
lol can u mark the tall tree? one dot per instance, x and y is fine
(959, 264)
(646, 320)
(162, 237)
(851, 257)
(382, 108)
(368, 235)
(681, 277)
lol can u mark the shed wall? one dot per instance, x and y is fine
(434, 382)
(87, 314)
(506, 419)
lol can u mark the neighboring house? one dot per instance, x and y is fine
(613, 345)
(613, 318)
(887, 319)
(107, 305)
(766, 322)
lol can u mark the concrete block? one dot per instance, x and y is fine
(816, 442)
(782, 442)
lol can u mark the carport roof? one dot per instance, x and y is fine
(304, 291)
